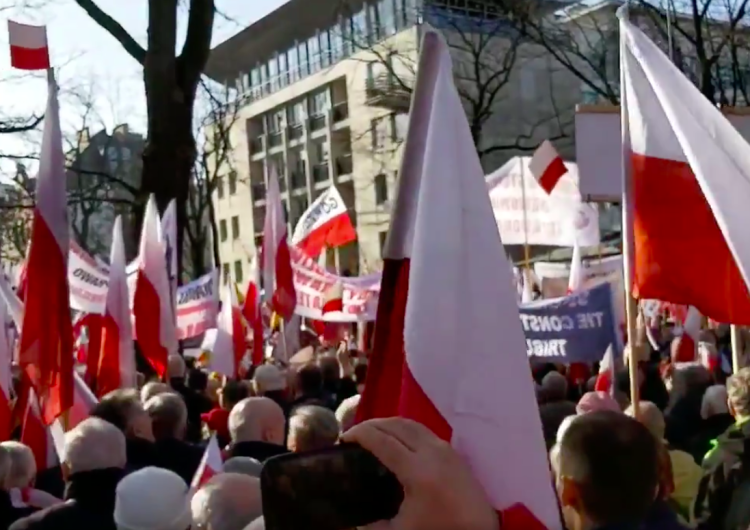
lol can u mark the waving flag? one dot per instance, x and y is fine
(690, 187)
(210, 466)
(116, 367)
(6, 383)
(325, 223)
(277, 265)
(46, 350)
(687, 346)
(155, 327)
(230, 345)
(28, 46)
(333, 298)
(420, 333)
(252, 313)
(547, 166)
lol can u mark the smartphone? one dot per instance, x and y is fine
(338, 488)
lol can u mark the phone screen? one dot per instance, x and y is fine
(334, 489)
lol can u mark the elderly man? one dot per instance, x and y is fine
(153, 389)
(8, 513)
(152, 499)
(554, 407)
(123, 409)
(256, 426)
(227, 502)
(21, 476)
(95, 456)
(312, 427)
(169, 419)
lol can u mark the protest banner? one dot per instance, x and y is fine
(575, 328)
(88, 281)
(311, 282)
(197, 306)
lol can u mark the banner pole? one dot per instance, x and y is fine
(526, 250)
(736, 338)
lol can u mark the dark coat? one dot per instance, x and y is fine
(9, 514)
(140, 453)
(196, 404)
(180, 457)
(552, 415)
(89, 504)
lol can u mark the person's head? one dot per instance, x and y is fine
(650, 416)
(312, 427)
(153, 388)
(232, 393)
(243, 465)
(92, 445)
(347, 412)
(607, 470)
(197, 380)
(228, 501)
(563, 427)
(22, 465)
(152, 498)
(268, 378)
(309, 380)
(738, 390)
(715, 402)
(176, 367)
(169, 415)
(329, 369)
(123, 409)
(687, 379)
(554, 387)
(257, 419)
(593, 401)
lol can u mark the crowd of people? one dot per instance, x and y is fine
(676, 462)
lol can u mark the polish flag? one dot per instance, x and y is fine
(46, 349)
(420, 332)
(691, 248)
(325, 223)
(169, 238)
(6, 381)
(116, 368)
(36, 435)
(230, 345)
(155, 327)
(575, 281)
(686, 348)
(547, 166)
(278, 278)
(251, 311)
(210, 466)
(607, 372)
(333, 298)
(28, 46)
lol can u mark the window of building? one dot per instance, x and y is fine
(399, 15)
(359, 29)
(292, 58)
(273, 73)
(321, 151)
(319, 103)
(379, 128)
(283, 71)
(373, 33)
(255, 77)
(285, 206)
(381, 189)
(232, 182)
(296, 114)
(299, 205)
(238, 271)
(386, 18)
(225, 272)
(223, 230)
(235, 227)
(382, 236)
(304, 59)
(345, 36)
(313, 53)
(325, 48)
(275, 122)
(220, 187)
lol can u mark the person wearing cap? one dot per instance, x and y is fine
(94, 462)
(152, 498)
(217, 419)
(269, 381)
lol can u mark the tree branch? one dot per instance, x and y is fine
(114, 28)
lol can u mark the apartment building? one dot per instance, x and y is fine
(325, 88)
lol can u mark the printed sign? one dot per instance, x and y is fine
(197, 306)
(88, 281)
(575, 328)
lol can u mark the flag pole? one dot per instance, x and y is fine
(526, 251)
(736, 338)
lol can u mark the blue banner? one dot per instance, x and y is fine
(576, 328)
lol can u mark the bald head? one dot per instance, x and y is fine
(228, 501)
(312, 428)
(176, 368)
(152, 389)
(257, 419)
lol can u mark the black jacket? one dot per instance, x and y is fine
(180, 457)
(196, 404)
(140, 453)
(9, 514)
(261, 451)
(89, 504)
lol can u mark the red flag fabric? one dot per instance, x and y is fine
(547, 166)
(28, 46)
(210, 466)
(325, 223)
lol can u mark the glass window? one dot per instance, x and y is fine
(275, 122)
(359, 29)
(381, 189)
(293, 64)
(386, 18)
(232, 182)
(283, 71)
(225, 272)
(304, 66)
(313, 53)
(235, 227)
(345, 34)
(399, 124)
(296, 113)
(319, 103)
(400, 17)
(223, 230)
(273, 73)
(238, 271)
(219, 187)
(374, 24)
(325, 48)
(255, 77)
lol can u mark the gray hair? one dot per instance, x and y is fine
(243, 465)
(153, 389)
(347, 412)
(714, 401)
(554, 386)
(738, 390)
(22, 464)
(228, 501)
(650, 416)
(312, 427)
(169, 415)
(94, 444)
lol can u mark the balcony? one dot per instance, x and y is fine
(344, 165)
(259, 192)
(256, 145)
(340, 112)
(295, 132)
(386, 91)
(275, 139)
(320, 172)
(317, 122)
(298, 179)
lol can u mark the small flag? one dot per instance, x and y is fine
(547, 166)
(210, 466)
(28, 46)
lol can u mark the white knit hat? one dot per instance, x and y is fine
(152, 499)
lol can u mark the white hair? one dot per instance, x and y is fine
(228, 501)
(346, 412)
(22, 465)
(243, 465)
(313, 427)
(714, 401)
(94, 444)
(153, 389)
(168, 411)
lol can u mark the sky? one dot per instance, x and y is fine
(91, 65)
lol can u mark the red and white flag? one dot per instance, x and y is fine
(28, 46)
(333, 299)
(35, 434)
(686, 350)
(155, 327)
(605, 379)
(210, 466)
(325, 223)
(251, 311)
(6, 382)
(230, 346)
(689, 187)
(116, 368)
(278, 279)
(46, 350)
(547, 166)
(575, 280)
(421, 331)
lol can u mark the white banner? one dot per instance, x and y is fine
(311, 281)
(197, 306)
(88, 281)
(556, 219)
